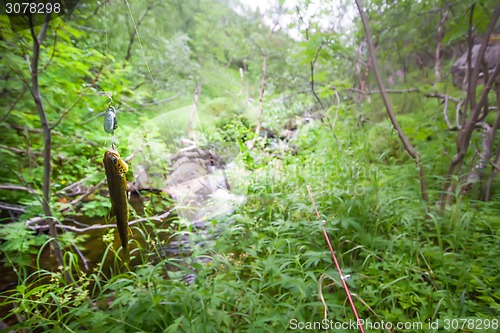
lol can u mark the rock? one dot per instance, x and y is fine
(492, 57)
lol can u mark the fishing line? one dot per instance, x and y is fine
(106, 27)
(140, 42)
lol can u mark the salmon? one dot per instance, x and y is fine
(116, 168)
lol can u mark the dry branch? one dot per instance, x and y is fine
(158, 218)
(445, 112)
(12, 207)
(16, 188)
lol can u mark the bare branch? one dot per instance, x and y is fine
(53, 52)
(75, 184)
(12, 207)
(457, 114)
(158, 218)
(445, 112)
(394, 91)
(12, 187)
(85, 195)
(439, 95)
(84, 260)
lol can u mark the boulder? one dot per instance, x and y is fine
(491, 58)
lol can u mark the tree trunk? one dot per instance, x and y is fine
(47, 143)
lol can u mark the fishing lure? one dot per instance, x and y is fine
(110, 122)
(116, 168)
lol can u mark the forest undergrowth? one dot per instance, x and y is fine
(271, 267)
(299, 100)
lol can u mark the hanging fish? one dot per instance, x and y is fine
(116, 168)
(110, 123)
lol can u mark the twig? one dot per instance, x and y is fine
(165, 100)
(53, 52)
(85, 261)
(89, 191)
(65, 113)
(71, 186)
(439, 95)
(16, 188)
(134, 154)
(311, 65)
(497, 167)
(457, 115)
(100, 114)
(394, 91)
(12, 207)
(342, 278)
(158, 218)
(445, 112)
(20, 76)
(17, 150)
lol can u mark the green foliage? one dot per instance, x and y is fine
(266, 265)
(19, 244)
(268, 262)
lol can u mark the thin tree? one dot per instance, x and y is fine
(47, 143)
(385, 97)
